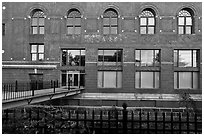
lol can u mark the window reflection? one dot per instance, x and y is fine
(73, 57)
(147, 57)
(109, 57)
(185, 58)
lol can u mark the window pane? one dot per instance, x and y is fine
(119, 55)
(142, 30)
(100, 55)
(110, 57)
(143, 21)
(82, 58)
(175, 80)
(106, 21)
(110, 79)
(78, 21)
(147, 57)
(113, 30)
(34, 30)
(137, 79)
(41, 21)
(40, 48)
(185, 58)
(34, 21)
(137, 57)
(151, 21)
(77, 30)
(175, 58)
(185, 80)
(105, 30)
(34, 57)
(70, 21)
(150, 30)
(74, 57)
(195, 58)
(181, 30)
(42, 30)
(188, 21)
(195, 80)
(100, 79)
(188, 30)
(146, 79)
(119, 79)
(33, 48)
(41, 56)
(157, 58)
(114, 21)
(157, 79)
(181, 21)
(64, 57)
(70, 30)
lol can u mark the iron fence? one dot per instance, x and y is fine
(114, 120)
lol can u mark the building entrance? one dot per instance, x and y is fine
(74, 79)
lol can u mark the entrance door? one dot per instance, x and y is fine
(36, 78)
(73, 78)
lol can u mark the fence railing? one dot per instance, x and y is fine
(114, 120)
(27, 89)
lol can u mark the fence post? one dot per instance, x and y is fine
(51, 84)
(124, 118)
(16, 86)
(54, 86)
(33, 88)
(69, 83)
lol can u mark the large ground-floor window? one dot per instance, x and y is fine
(186, 80)
(147, 79)
(109, 79)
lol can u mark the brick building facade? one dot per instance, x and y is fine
(146, 54)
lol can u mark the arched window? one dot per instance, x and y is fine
(110, 21)
(38, 22)
(147, 22)
(74, 22)
(185, 21)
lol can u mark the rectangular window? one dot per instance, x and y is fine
(109, 57)
(147, 57)
(37, 52)
(186, 80)
(181, 30)
(186, 58)
(110, 25)
(109, 79)
(147, 79)
(74, 25)
(73, 57)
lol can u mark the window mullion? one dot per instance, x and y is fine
(177, 79)
(153, 79)
(140, 79)
(116, 79)
(140, 58)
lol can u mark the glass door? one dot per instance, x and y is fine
(74, 79)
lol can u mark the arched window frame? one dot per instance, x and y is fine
(74, 22)
(38, 22)
(110, 21)
(185, 21)
(147, 21)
